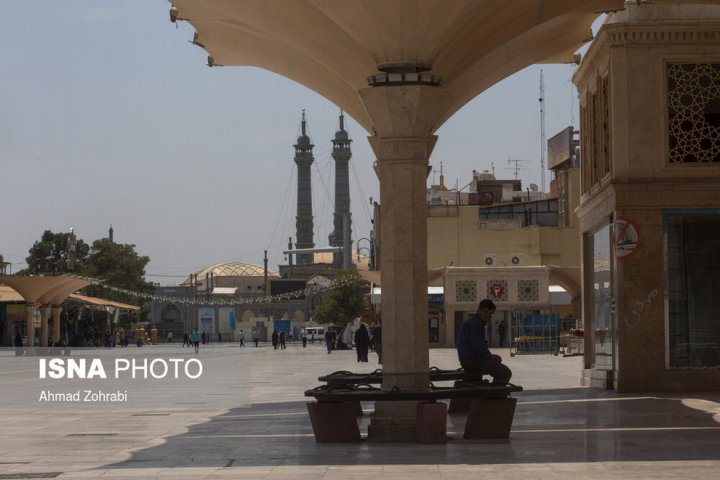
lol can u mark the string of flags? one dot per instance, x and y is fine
(201, 298)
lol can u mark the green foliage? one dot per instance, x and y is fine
(343, 301)
(55, 253)
(115, 263)
(119, 266)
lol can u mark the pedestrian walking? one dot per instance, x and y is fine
(195, 337)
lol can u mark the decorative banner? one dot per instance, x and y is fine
(206, 320)
(627, 238)
(308, 292)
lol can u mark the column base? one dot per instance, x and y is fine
(393, 422)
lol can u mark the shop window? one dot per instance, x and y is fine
(693, 258)
(602, 299)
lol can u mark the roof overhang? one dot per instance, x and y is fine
(45, 289)
(334, 47)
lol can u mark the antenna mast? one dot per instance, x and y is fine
(517, 167)
(543, 141)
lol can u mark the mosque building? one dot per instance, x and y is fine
(225, 299)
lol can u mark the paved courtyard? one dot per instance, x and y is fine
(259, 428)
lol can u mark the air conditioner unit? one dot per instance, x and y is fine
(516, 259)
(489, 260)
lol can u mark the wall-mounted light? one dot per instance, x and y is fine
(174, 14)
(195, 41)
(211, 62)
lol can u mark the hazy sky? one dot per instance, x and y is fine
(108, 115)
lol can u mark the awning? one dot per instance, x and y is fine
(101, 302)
(8, 295)
(376, 294)
(224, 290)
(373, 276)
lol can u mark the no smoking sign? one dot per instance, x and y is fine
(627, 238)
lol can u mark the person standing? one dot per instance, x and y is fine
(18, 344)
(275, 339)
(501, 333)
(329, 340)
(362, 343)
(241, 336)
(283, 337)
(303, 337)
(472, 347)
(256, 337)
(169, 337)
(195, 337)
(376, 337)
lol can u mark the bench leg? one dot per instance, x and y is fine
(462, 405)
(334, 422)
(459, 405)
(431, 422)
(490, 418)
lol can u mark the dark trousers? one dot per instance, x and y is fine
(488, 366)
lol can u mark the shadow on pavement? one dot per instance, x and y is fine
(558, 426)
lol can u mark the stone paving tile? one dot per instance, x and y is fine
(560, 431)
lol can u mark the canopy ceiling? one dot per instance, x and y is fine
(332, 46)
(45, 290)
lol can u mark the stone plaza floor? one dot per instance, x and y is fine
(260, 428)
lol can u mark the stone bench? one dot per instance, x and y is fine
(461, 377)
(490, 414)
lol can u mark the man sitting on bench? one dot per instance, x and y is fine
(472, 346)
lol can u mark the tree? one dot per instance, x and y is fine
(56, 253)
(343, 301)
(119, 266)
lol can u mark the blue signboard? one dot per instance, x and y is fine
(282, 326)
(233, 320)
(435, 299)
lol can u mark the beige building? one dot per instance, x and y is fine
(506, 244)
(649, 91)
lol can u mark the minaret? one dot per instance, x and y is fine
(110, 234)
(341, 154)
(304, 219)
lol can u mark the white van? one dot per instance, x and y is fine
(315, 333)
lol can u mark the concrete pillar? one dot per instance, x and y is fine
(44, 315)
(403, 117)
(56, 313)
(30, 323)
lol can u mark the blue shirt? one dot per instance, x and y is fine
(471, 341)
